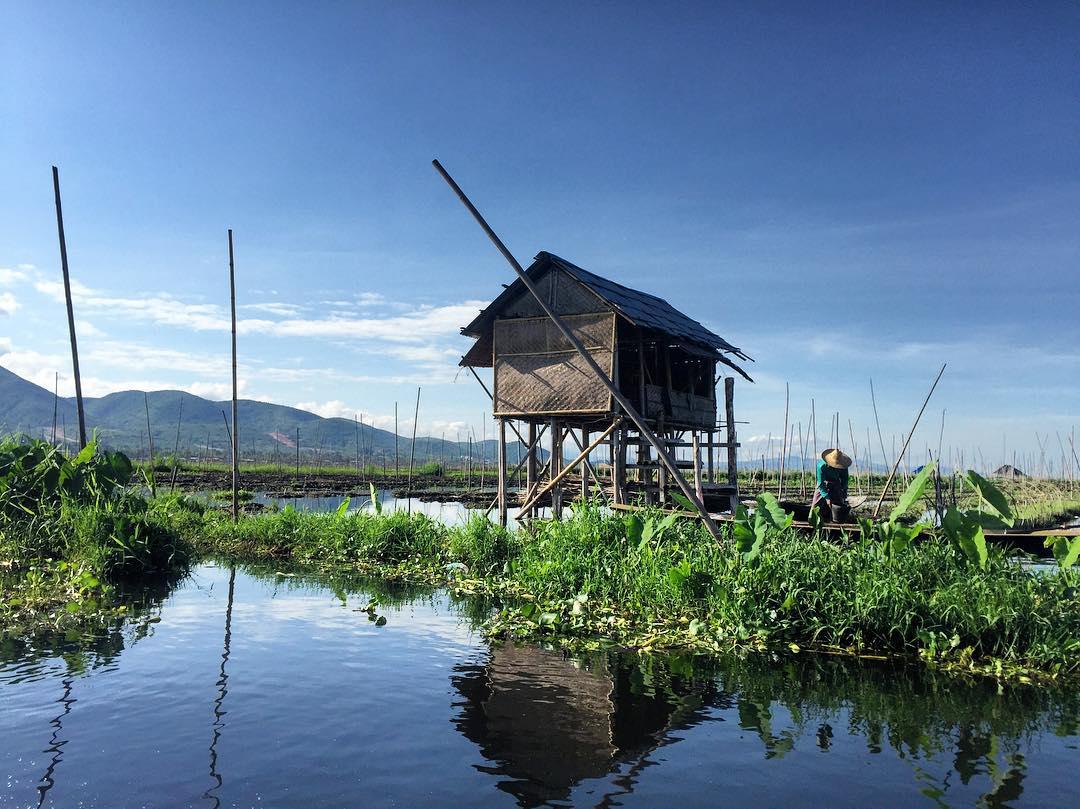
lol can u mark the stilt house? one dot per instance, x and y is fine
(664, 362)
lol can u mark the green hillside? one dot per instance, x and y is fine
(268, 432)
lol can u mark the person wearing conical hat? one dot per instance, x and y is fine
(831, 493)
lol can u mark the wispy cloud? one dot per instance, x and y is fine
(9, 277)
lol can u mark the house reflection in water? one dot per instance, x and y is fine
(546, 723)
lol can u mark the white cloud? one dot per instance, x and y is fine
(334, 409)
(84, 328)
(8, 304)
(5, 344)
(281, 309)
(8, 276)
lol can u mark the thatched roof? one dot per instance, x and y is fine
(1008, 471)
(638, 308)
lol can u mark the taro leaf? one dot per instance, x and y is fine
(684, 501)
(86, 454)
(972, 542)
(991, 495)
(665, 524)
(814, 518)
(634, 528)
(1066, 550)
(913, 492)
(549, 618)
(375, 504)
(678, 574)
(744, 537)
(902, 536)
(868, 528)
(343, 508)
(649, 530)
(772, 512)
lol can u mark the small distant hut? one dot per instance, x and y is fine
(664, 362)
(1008, 471)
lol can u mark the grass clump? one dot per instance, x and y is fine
(71, 528)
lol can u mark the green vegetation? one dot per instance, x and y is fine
(654, 580)
(72, 528)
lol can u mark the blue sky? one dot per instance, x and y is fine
(844, 192)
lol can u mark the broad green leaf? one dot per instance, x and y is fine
(991, 495)
(913, 492)
(375, 504)
(683, 501)
(634, 529)
(86, 454)
(1066, 550)
(773, 512)
(344, 507)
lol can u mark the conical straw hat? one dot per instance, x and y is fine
(836, 459)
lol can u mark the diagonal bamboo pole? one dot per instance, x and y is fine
(907, 441)
(624, 403)
(567, 469)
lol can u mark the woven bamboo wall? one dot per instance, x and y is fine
(538, 372)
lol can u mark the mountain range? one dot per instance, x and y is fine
(268, 432)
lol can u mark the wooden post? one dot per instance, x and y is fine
(710, 475)
(732, 445)
(530, 462)
(586, 357)
(556, 466)
(585, 467)
(396, 466)
(697, 466)
(298, 453)
(235, 426)
(70, 311)
(502, 472)
(619, 467)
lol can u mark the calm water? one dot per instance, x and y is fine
(255, 689)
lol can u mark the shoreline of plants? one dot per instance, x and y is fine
(71, 532)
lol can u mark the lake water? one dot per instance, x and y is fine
(240, 687)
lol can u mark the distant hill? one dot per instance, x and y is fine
(267, 431)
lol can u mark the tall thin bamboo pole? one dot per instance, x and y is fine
(412, 445)
(176, 447)
(235, 407)
(150, 440)
(56, 399)
(783, 451)
(892, 474)
(70, 309)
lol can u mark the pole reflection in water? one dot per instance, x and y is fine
(223, 689)
(56, 744)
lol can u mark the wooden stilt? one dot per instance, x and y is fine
(732, 445)
(502, 472)
(530, 465)
(556, 467)
(585, 467)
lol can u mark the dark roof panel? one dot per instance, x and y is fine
(644, 309)
(640, 308)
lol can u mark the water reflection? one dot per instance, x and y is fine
(546, 724)
(360, 715)
(223, 690)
